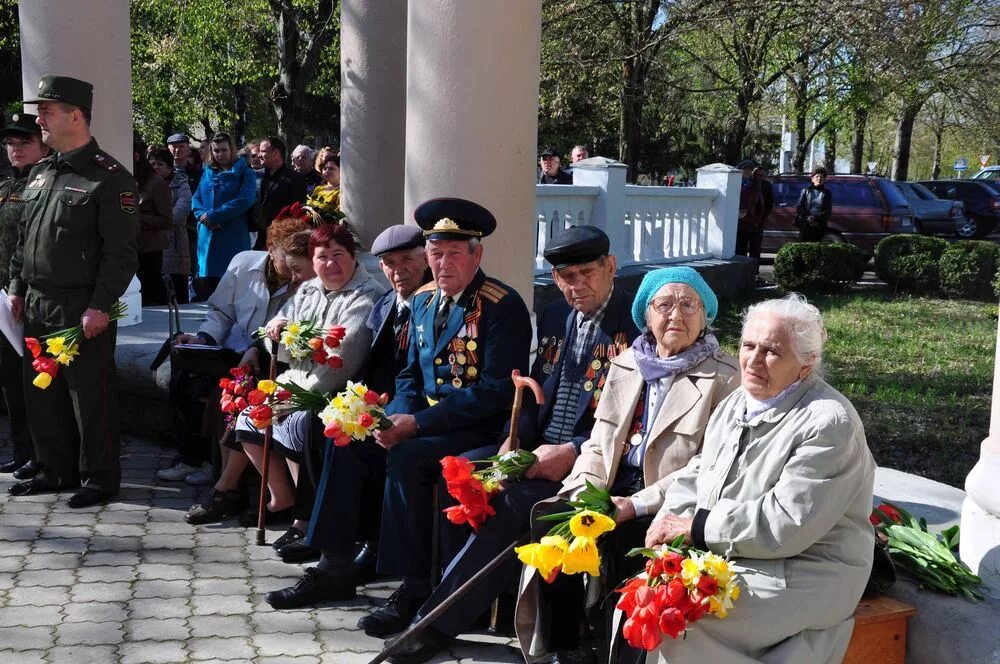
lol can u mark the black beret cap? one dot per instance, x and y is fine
(66, 89)
(576, 245)
(396, 238)
(22, 123)
(454, 219)
(550, 152)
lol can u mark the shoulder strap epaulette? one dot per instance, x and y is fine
(426, 288)
(492, 291)
(106, 162)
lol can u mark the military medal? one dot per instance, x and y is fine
(437, 360)
(460, 358)
(472, 345)
(634, 437)
(456, 383)
(459, 346)
(471, 371)
(588, 386)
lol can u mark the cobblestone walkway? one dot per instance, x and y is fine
(131, 582)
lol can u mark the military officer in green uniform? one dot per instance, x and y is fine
(73, 260)
(22, 139)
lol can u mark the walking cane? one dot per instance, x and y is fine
(519, 384)
(261, 503)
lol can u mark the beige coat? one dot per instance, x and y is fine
(789, 500)
(676, 436)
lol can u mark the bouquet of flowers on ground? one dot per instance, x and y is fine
(570, 547)
(307, 339)
(354, 414)
(473, 488)
(61, 347)
(678, 587)
(927, 557)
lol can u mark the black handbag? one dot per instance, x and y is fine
(883, 574)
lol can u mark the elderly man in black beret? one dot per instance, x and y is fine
(349, 499)
(550, 170)
(577, 337)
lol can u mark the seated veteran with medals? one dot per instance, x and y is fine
(783, 486)
(467, 333)
(650, 421)
(348, 502)
(578, 337)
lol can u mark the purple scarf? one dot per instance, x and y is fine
(653, 367)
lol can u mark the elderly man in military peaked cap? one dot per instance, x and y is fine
(73, 261)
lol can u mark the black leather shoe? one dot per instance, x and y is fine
(312, 588)
(364, 563)
(220, 505)
(248, 518)
(12, 465)
(420, 649)
(87, 496)
(32, 487)
(28, 470)
(298, 552)
(394, 616)
(293, 534)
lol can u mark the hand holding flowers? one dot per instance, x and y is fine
(307, 340)
(62, 347)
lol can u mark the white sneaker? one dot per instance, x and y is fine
(203, 475)
(177, 473)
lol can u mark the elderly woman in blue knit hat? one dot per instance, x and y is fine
(650, 422)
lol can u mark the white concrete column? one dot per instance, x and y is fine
(472, 119)
(90, 41)
(373, 113)
(980, 543)
(724, 215)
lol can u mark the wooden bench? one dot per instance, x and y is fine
(879, 631)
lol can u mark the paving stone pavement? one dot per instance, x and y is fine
(131, 582)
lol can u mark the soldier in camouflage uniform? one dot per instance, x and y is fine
(22, 139)
(74, 259)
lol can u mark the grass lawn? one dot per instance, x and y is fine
(919, 371)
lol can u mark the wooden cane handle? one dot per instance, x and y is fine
(521, 382)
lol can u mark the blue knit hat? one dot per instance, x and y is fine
(657, 279)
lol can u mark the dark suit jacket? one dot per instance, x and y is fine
(278, 189)
(555, 325)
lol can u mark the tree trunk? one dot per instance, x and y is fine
(938, 136)
(904, 136)
(242, 118)
(630, 125)
(830, 148)
(800, 88)
(858, 144)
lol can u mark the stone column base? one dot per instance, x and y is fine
(980, 545)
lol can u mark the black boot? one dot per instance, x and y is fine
(364, 563)
(314, 587)
(421, 648)
(394, 616)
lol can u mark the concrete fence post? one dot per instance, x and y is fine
(724, 213)
(609, 208)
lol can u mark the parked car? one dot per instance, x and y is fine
(933, 215)
(988, 173)
(865, 210)
(981, 198)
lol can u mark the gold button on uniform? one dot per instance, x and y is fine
(437, 360)
(440, 381)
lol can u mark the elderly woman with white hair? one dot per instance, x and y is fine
(783, 486)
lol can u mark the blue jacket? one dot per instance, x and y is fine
(226, 196)
(448, 389)
(555, 331)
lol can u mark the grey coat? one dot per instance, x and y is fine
(789, 500)
(177, 253)
(349, 307)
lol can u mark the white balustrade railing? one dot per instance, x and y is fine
(645, 224)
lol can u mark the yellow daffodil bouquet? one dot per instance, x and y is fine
(570, 547)
(61, 347)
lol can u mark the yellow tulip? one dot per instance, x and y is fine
(545, 556)
(42, 381)
(590, 524)
(582, 557)
(267, 386)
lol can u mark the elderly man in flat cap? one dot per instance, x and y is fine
(22, 139)
(578, 336)
(73, 261)
(348, 503)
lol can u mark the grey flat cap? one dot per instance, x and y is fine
(395, 238)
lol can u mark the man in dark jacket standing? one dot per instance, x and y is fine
(22, 139)
(813, 210)
(281, 185)
(74, 259)
(549, 169)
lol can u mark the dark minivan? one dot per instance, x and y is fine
(865, 210)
